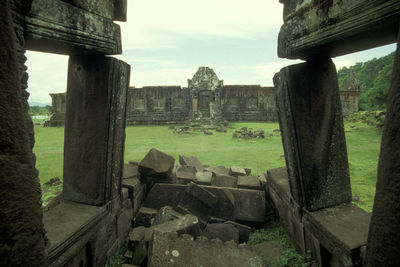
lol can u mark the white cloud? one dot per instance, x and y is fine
(148, 21)
(47, 74)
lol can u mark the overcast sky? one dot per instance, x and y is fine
(166, 41)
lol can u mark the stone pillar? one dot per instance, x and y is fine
(22, 239)
(195, 103)
(383, 247)
(95, 128)
(311, 122)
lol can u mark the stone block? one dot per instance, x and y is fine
(130, 171)
(167, 248)
(342, 230)
(145, 217)
(224, 181)
(249, 182)
(185, 174)
(156, 164)
(95, 128)
(136, 235)
(202, 194)
(243, 205)
(237, 171)
(204, 178)
(222, 231)
(59, 27)
(311, 122)
(191, 161)
(166, 214)
(120, 10)
(263, 180)
(186, 224)
(124, 193)
(124, 219)
(218, 170)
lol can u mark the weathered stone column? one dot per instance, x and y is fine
(95, 128)
(22, 239)
(311, 122)
(383, 247)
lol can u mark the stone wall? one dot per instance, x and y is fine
(248, 103)
(157, 105)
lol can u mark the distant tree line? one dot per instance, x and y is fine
(374, 76)
(37, 110)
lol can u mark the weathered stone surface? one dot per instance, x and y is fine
(204, 178)
(185, 174)
(218, 170)
(249, 182)
(311, 122)
(124, 219)
(58, 27)
(247, 170)
(95, 128)
(243, 205)
(136, 191)
(191, 161)
(186, 224)
(225, 232)
(244, 231)
(136, 235)
(124, 193)
(268, 251)
(157, 164)
(237, 171)
(342, 230)
(224, 181)
(22, 234)
(384, 233)
(336, 28)
(166, 249)
(130, 171)
(166, 214)
(120, 10)
(263, 180)
(145, 216)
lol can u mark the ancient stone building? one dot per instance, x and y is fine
(205, 96)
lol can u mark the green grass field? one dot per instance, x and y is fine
(220, 149)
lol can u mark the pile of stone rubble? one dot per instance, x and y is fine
(194, 215)
(207, 126)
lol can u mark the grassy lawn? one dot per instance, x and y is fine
(220, 149)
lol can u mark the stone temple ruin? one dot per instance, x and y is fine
(205, 96)
(311, 194)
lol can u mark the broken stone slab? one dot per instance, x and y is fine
(237, 171)
(186, 224)
(166, 214)
(249, 182)
(197, 201)
(222, 231)
(156, 164)
(166, 249)
(218, 170)
(263, 180)
(202, 194)
(224, 181)
(130, 171)
(145, 217)
(191, 161)
(204, 178)
(243, 205)
(136, 192)
(185, 174)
